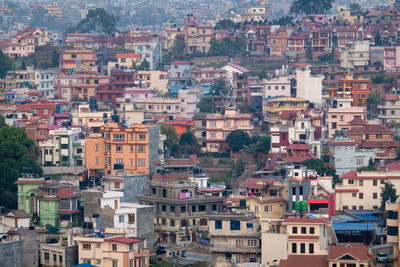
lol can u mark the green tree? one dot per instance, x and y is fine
(2, 121)
(187, 139)
(227, 24)
(145, 65)
(206, 105)
(378, 38)
(319, 166)
(388, 194)
(311, 6)
(35, 220)
(263, 145)
(355, 9)
(5, 64)
(98, 21)
(220, 87)
(171, 141)
(16, 152)
(23, 65)
(239, 46)
(237, 140)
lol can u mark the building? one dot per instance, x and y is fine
(351, 254)
(180, 214)
(389, 109)
(113, 251)
(154, 79)
(278, 42)
(218, 127)
(234, 239)
(55, 204)
(361, 190)
(73, 60)
(280, 86)
(197, 37)
(309, 86)
(341, 114)
(275, 107)
(16, 219)
(119, 147)
(349, 87)
(355, 54)
(392, 223)
(124, 62)
(63, 148)
(344, 156)
(110, 91)
(179, 76)
(58, 255)
(256, 13)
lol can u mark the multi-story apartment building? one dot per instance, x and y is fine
(234, 239)
(21, 45)
(154, 79)
(55, 204)
(179, 212)
(362, 190)
(392, 224)
(346, 36)
(179, 76)
(341, 114)
(58, 255)
(148, 48)
(349, 87)
(274, 107)
(309, 86)
(208, 75)
(218, 127)
(113, 251)
(355, 54)
(63, 148)
(124, 62)
(73, 60)
(280, 86)
(389, 109)
(119, 147)
(278, 42)
(110, 91)
(256, 13)
(197, 37)
(321, 39)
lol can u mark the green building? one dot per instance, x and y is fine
(56, 204)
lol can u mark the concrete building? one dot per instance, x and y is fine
(113, 251)
(126, 61)
(154, 79)
(341, 113)
(120, 147)
(73, 60)
(350, 87)
(218, 127)
(256, 13)
(389, 110)
(16, 219)
(58, 255)
(345, 157)
(197, 37)
(361, 190)
(180, 214)
(63, 148)
(275, 107)
(280, 86)
(308, 86)
(234, 239)
(392, 223)
(355, 54)
(179, 76)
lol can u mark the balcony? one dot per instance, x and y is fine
(234, 249)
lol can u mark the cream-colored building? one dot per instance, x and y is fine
(197, 37)
(154, 79)
(234, 239)
(83, 116)
(392, 224)
(219, 126)
(362, 190)
(256, 13)
(119, 251)
(127, 61)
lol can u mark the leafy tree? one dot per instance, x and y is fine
(263, 145)
(237, 140)
(98, 21)
(388, 194)
(145, 65)
(206, 105)
(220, 87)
(5, 64)
(311, 6)
(370, 167)
(51, 229)
(228, 47)
(23, 65)
(2, 121)
(38, 17)
(227, 24)
(319, 166)
(171, 141)
(355, 9)
(378, 38)
(16, 152)
(187, 139)
(35, 220)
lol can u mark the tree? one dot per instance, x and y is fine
(206, 105)
(263, 145)
(5, 64)
(145, 65)
(388, 194)
(237, 140)
(227, 24)
(171, 141)
(98, 21)
(311, 6)
(220, 87)
(187, 139)
(355, 9)
(319, 166)
(35, 220)
(16, 152)
(2, 121)
(23, 65)
(378, 38)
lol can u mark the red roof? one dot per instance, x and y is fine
(359, 252)
(30, 181)
(341, 143)
(68, 211)
(304, 261)
(298, 147)
(394, 166)
(127, 55)
(307, 220)
(379, 144)
(390, 97)
(122, 239)
(370, 129)
(258, 183)
(350, 174)
(357, 121)
(66, 192)
(303, 237)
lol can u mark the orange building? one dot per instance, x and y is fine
(78, 60)
(278, 42)
(120, 148)
(357, 89)
(181, 125)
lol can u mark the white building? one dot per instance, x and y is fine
(309, 87)
(357, 54)
(280, 86)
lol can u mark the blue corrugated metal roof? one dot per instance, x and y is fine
(366, 217)
(353, 226)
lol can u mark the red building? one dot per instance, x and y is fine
(181, 125)
(42, 107)
(114, 89)
(296, 153)
(357, 89)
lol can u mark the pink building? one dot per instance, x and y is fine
(391, 58)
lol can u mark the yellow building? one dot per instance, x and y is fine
(346, 16)
(78, 60)
(120, 147)
(118, 251)
(197, 37)
(126, 61)
(154, 79)
(275, 106)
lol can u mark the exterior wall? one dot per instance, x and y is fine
(48, 212)
(58, 255)
(16, 223)
(309, 87)
(274, 247)
(339, 118)
(276, 87)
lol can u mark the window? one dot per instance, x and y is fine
(218, 224)
(163, 221)
(118, 149)
(118, 137)
(361, 183)
(311, 248)
(382, 181)
(235, 225)
(345, 207)
(334, 125)
(172, 223)
(141, 162)
(131, 218)
(360, 207)
(132, 149)
(121, 218)
(354, 208)
(302, 248)
(142, 137)
(60, 259)
(163, 207)
(114, 247)
(294, 230)
(153, 190)
(294, 247)
(304, 230)
(375, 195)
(47, 205)
(360, 195)
(22, 188)
(142, 149)
(354, 194)
(249, 225)
(351, 181)
(202, 207)
(46, 256)
(183, 223)
(114, 263)
(375, 182)
(55, 257)
(131, 137)
(86, 246)
(172, 208)
(312, 230)
(183, 208)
